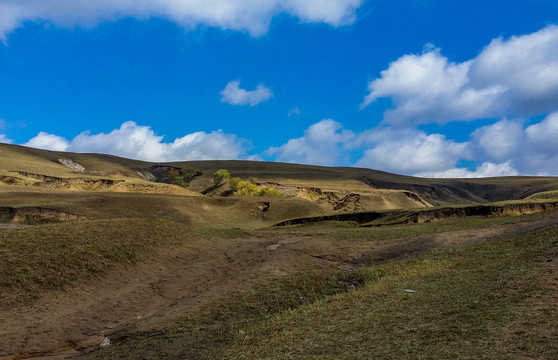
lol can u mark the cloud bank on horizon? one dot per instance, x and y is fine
(141, 142)
(512, 81)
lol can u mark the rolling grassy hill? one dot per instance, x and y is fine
(97, 246)
(377, 190)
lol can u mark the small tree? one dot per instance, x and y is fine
(220, 177)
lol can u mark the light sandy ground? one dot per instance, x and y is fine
(172, 285)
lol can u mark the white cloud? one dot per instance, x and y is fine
(505, 148)
(486, 169)
(253, 16)
(544, 135)
(294, 111)
(533, 150)
(234, 95)
(4, 139)
(513, 77)
(500, 140)
(141, 142)
(411, 151)
(48, 142)
(322, 144)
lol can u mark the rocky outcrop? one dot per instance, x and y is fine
(35, 215)
(71, 164)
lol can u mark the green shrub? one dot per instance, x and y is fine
(234, 183)
(189, 173)
(182, 177)
(249, 188)
(269, 192)
(220, 177)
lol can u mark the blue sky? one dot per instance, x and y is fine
(419, 87)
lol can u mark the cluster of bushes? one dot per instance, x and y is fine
(183, 176)
(248, 188)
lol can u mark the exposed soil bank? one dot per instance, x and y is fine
(34, 215)
(359, 218)
(367, 219)
(68, 182)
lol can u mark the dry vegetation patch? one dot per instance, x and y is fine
(472, 301)
(48, 257)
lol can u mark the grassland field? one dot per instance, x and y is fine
(164, 272)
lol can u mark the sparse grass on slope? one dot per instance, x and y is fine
(359, 180)
(53, 256)
(350, 231)
(544, 196)
(470, 302)
(493, 300)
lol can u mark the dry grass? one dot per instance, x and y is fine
(50, 257)
(465, 301)
(436, 191)
(487, 300)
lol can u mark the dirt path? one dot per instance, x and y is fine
(181, 282)
(144, 296)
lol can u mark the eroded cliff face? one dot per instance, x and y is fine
(35, 215)
(425, 216)
(372, 219)
(58, 182)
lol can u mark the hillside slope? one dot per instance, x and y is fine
(338, 189)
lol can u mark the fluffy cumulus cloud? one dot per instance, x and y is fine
(252, 16)
(543, 136)
(486, 169)
(531, 149)
(233, 94)
(411, 151)
(323, 143)
(141, 142)
(510, 77)
(504, 148)
(514, 80)
(48, 142)
(500, 140)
